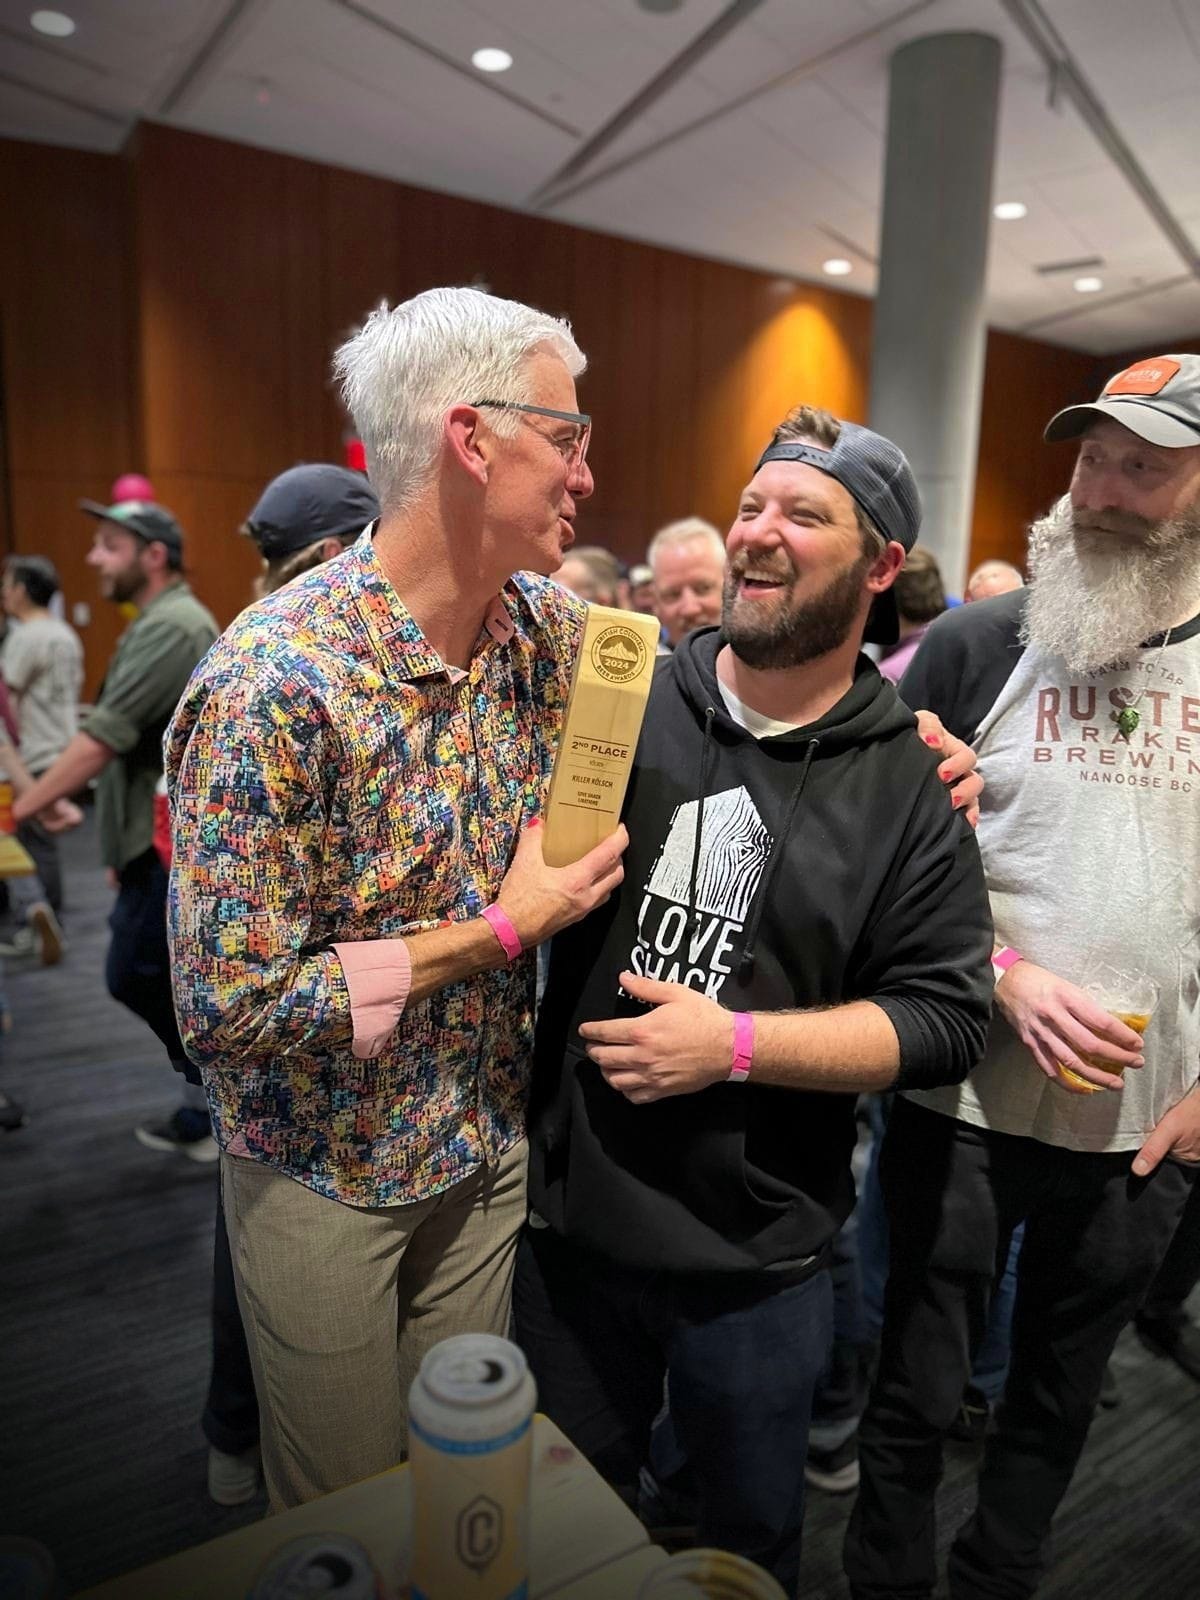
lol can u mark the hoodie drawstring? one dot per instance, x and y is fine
(701, 784)
(746, 962)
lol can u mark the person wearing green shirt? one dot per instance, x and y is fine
(137, 553)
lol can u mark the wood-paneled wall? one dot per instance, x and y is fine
(67, 346)
(173, 310)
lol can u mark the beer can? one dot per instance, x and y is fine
(470, 1446)
(711, 1574)
(318, 1564)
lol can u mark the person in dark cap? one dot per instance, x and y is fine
(137, 554)
(305, 516)
(802, 917)
(1081, 694)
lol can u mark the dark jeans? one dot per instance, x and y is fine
(43, 847)
(842, 1391)
(740, 1372)
(1094, 1238)
(230, 1419)
(1180, 1271)
(138, 973)
(138, 969)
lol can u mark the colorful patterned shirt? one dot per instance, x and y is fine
(334, 783)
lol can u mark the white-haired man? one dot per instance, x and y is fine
(1082, 694)
(687, 559)
(991, 578)
(354, 777)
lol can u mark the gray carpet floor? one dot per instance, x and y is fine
(105, 1268)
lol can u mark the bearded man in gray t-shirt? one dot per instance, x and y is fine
(1082, 697)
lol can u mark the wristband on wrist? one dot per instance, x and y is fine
(1004, 958)
(510, 939)
(743, 1046)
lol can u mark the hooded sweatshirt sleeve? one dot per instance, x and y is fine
(925, 960)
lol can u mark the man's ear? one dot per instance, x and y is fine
(155, 557)
(465, 438)
(886, 567)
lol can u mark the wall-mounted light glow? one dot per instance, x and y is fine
(1010, 211)
(837, 267)
(55, 23)
(1089, 285)
(491, 60)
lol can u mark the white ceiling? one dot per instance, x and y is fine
(772, 177)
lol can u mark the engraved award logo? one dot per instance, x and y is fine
(618, 655)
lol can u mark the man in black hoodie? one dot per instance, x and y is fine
(802, 918)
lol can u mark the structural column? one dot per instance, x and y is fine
(927, 354)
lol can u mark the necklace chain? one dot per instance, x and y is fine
(1128, 717)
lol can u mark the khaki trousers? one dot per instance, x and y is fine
(340, 1303)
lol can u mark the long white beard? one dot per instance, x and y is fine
(1096, 604)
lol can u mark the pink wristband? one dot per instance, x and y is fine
(1004, 958)
(510, 939)
(743, 1046)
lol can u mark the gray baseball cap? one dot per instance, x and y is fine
(1158, 399)
(145, 519)
(879, 480)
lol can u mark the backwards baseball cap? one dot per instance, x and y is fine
(308, 503)
(143, 518)
(1158, 399)
(879, 480)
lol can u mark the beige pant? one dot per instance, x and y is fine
(340, 1303)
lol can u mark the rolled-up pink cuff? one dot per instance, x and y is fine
(378, 976)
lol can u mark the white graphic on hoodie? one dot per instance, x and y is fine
(734, 848)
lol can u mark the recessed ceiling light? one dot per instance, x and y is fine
(490, 60)
(56, 23)
(1010, 211)
(1089, 285)
(837, 267)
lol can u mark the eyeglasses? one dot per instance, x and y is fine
(573, 449)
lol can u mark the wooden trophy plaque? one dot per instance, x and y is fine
(609, 690)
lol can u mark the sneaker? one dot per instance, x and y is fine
(835, 1471)
(23, 942)
(1173, 1335)
(47, 932)
(11, 1114)
(232, 1479)
(185, 1130)
(970, 1422)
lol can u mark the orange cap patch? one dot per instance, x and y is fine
(1147, 377)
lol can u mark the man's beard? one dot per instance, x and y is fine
(772, 635)
(126, 584)
(1105, 582)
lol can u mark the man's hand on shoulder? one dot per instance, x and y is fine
(681, 1046)
(957, 765)
(1059, 1024)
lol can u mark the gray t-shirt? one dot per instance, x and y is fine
(1091, 845)
(43, 667)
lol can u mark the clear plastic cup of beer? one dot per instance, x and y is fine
(1130, 997)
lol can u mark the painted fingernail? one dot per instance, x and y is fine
(932, 740)
(945, 774)
(956, 800)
